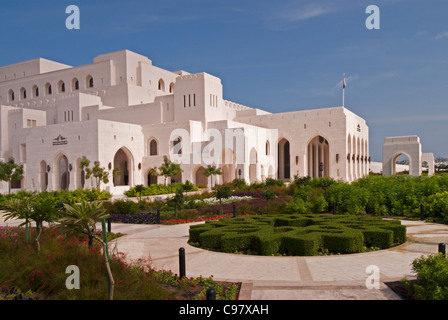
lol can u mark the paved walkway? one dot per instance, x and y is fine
(285, 278)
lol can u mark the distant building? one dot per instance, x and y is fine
(127, 113)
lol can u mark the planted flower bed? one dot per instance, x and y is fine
(303, 235)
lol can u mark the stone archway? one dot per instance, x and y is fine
(394, 147)
(62, 173)
(201, 179)
(123, 161)
(318, 157)
(284, 159)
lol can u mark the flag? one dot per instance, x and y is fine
(343, 82)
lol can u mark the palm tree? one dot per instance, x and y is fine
(82, 219)
(19, 209)
(212, 171)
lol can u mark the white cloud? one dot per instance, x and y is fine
(441, 35)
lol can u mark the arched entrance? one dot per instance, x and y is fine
(151, 177)
(123, 162)
(43, 176)
(253, 165)
(201, 179)
(284, 160)
(62, 173)
(318, 157)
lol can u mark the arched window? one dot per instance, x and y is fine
(61, 86)
(161, 85)
(35, 91)
(89, 81)
(48, 89)
(177, 146)
(268, 148)
(171, 87)
(153, 147)
(22, 93)
(11, 95)
(75, 84)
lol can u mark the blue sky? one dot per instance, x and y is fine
(274, 55)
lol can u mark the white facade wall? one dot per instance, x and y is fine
(122, 102)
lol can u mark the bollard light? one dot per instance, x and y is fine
(211, 294)
(181, 262)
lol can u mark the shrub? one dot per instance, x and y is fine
(432, 278)
(297, 235)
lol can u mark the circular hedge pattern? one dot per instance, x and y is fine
(298, 235)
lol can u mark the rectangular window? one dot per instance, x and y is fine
(194, 100)
(33, 123)
(65, 116)
(185, 101)
(189, 100)
(28, 122)
(72, 116)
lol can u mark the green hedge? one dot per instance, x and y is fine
(301, 235)
(156, 189)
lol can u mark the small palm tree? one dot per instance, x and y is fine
(212, 171)
(82, 219)
(19, 209)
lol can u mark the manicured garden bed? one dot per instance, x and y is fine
(298, 235)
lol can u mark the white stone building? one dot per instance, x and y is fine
(125, 112)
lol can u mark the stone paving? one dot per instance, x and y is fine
(282, 278)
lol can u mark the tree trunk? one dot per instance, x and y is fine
(39, 232)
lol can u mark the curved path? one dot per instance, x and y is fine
(286, 278)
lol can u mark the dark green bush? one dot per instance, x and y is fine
(298, 234)
(432, 278)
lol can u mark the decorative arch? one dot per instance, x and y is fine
(153, 147)
(22, 93)
(48, 90)
(61, 172)
(61, 86)
(161, 85)
(89, 81)
(35, 91)
(200, 178)
(123, 161)
(318, 157)
(284, 159)
(253, 167)
(75, 84)
(43, 176)
(11, 95)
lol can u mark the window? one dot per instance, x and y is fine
(11, 95)
(171, 87)
(61, 86)
(30, 123)
(89, 82)
(48, 89)
(268, 148)
(153, 148)
(22, 93)
(161, 85)
(177, 146)
(185, 101)
(35, 91)
(75, 84)
(194, 100)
